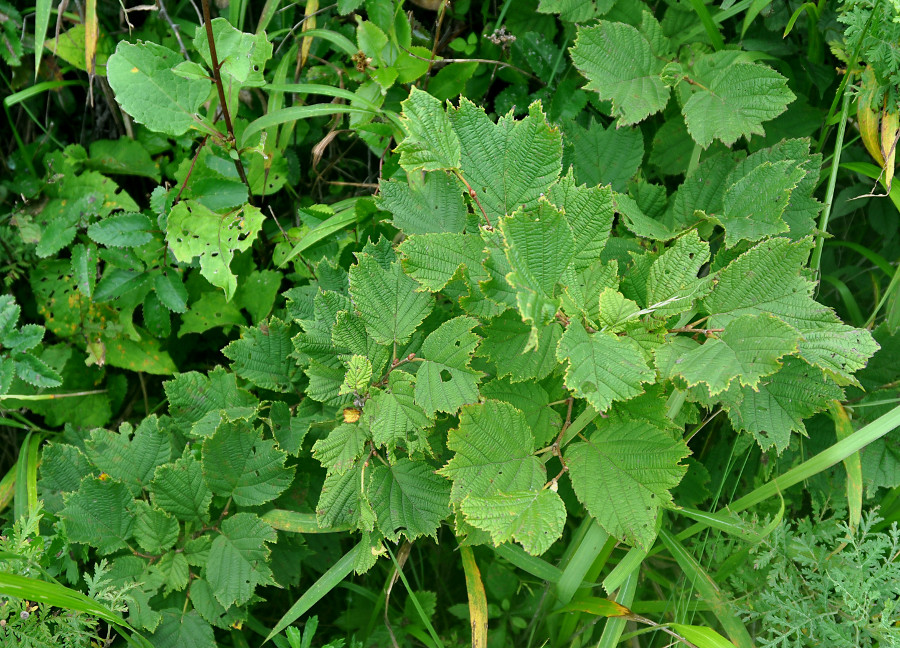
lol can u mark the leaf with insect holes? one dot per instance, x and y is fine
(445, 381)
(672, 284)
(196, 231)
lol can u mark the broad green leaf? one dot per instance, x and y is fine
(533, 519)
(387, 300)
(238, 463)
(510, 164)
(589, 211)
(622, 474)
(122, 156)
(433, 204)
(393, 416)
(780, 403)
(342, 500)
(211, 311)
(672, 284)
(602, 367)
(63, 467)
(192, 396)
(237, 558)
(172, 570)
(358, 377)
(257, 293)
(749, 349)
(145, 355)
(121, 230)
(339, 451)
(196, 231)
(241, 56)
(732, 98)
(603, 156)
(171, 291)
(755, 204)
(445, 381)
(178, 488)
(155, 530)
(263, 355)
(35, 371)
(620, 66)
(532, 400)
(177, 629)
(85, 263)
(506, 339)
(204, 601)
(434, 259)
(493, 448)
(145, 86)
(615, 310)
(24, 338)
(408, 498)
(430, 143)
(131, 455)
(97, 514)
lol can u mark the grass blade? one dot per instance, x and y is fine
(294, 522)
(326, 228)
(712, 29)
(478, 611)
(615, 626)
(294, 113)
(42, 10)
(327, 582)
(529, 564)
(843, 428)
(25, 500)
(708, 590)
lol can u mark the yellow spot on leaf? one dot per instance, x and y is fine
(134, 70)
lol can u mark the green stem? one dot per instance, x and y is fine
(816, 260)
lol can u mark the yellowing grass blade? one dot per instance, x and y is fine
(843, 428)
(478, 612)
(309, 22)
(91, 35)
(889, 129)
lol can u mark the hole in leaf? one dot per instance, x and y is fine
(445, 375)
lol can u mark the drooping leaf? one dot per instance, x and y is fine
(534, 519)
(238, 463)
(623, 473)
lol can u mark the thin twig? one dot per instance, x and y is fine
(473, 60)
(474, 197)
(165, 16)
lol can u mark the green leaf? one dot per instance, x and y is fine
(241, 56)
(263, 355)
(602, 367)
(145, 355)
(445, 381)
(408, 498)
(145, 86)
(506, 339)
(622, 474)
(173, 570)
(85, 263)
(193, 396)
(178, 629)
(178, 488)
(533, 401)
(121, 230)
(615, 310)
(237, 463)
(755, 204)
(430, 143)
(393, 416)
(590, 212)
(540, 247)
(732, 98)
(155, 530)
(171, 291)
(434, 259)
(749, 349)
(433, 204)
(387, 300)
(672, 285)
(603, 156)
(122, 156)
(533, 519)
(620, 66)
(342, 499)
(211, 311)
(493, 448)
(510, 164)
(196, 231)
(257, 293)
(339, 451)
(237, 559)
(130, 456)
(780, 403)
(97, 514)
(358, 377)
(35, 371)
(63, 467)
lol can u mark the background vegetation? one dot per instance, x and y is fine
(476, 323)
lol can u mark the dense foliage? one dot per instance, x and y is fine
(440, 324)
